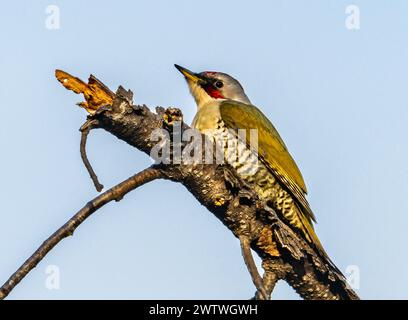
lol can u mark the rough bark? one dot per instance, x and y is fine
(285, 255)
(219, 189)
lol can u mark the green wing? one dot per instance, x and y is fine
(272, 151)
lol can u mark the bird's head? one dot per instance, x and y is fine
(209, 86)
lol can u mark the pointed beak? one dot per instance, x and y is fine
(190, 76)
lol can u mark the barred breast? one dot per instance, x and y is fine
(246, 163)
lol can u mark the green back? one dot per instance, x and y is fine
(272, 151)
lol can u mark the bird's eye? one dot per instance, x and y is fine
(218, 84)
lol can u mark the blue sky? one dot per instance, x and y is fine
(337, 96)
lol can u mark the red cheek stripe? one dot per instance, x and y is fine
(213, 92)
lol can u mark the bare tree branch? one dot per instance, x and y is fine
(284, 254)
(262, 294)
(116, 193)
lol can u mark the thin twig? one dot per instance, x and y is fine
(115, 193)
(253, 270)
(269, 281)
(85, 129)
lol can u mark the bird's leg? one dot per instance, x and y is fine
(253, 271)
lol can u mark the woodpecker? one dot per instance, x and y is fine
(222, 105)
